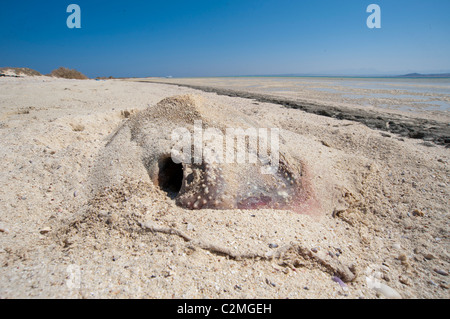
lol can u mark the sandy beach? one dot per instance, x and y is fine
(380, 176)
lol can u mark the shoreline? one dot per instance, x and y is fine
(428, 130)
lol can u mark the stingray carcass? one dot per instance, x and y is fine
(199, 174)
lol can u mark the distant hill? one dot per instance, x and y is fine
(418, 75)
(59, 73)
(15, 72)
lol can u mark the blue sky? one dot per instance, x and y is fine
(224, 38)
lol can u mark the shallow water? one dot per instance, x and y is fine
(407, 94)
(426, 97)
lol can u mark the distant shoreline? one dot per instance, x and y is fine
(403, 125)
(418, 75)
(14, 71)
(405, 76)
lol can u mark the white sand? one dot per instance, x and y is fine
(58, 239)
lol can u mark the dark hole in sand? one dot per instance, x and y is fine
(170, 177)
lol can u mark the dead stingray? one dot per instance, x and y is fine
(145, 142)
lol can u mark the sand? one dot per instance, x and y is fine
(385, 222)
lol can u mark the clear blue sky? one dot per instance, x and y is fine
(221, 38)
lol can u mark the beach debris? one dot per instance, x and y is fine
(429, 256)
(405, 280)
(428, 144)
(387, 291)
(441, 272)
(167, 273)
(127, 113)
(298, 256)
(417, 212)
(292, 256)
(45, 230)
(77, 127)
(382, 288)
(340, 282)
(3, 229)
(404, 260)
(270, 283)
